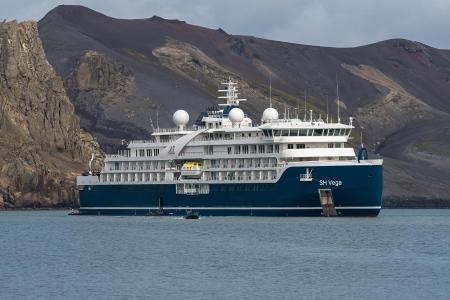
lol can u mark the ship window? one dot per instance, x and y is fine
(261, 149)
(276, 132)
(300, 146)
(290, 146)
(229, 150)
(293, 132)
(245, 149)
(285, 132)
(338, 145)
(141, 152)
(303, 132)
(116, 166)
(270, 149)
(155, 152)
(318, 132)
(149, 152)
(277, 148)
(330, 145)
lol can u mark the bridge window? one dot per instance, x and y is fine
(303, 132)
(276, 132)
(285, 132)
(293, 132)
(318, 132)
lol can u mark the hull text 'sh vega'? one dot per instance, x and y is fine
(224, 165)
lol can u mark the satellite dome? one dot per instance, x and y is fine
(270, 114)
(236, 115)
(180, 117)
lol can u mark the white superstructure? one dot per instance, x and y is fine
(225, 146)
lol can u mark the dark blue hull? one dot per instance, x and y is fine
(356, 191)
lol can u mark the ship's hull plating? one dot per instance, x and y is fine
(356, 191)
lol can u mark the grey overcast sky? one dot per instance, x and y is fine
(340, 23)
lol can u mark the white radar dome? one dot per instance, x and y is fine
(236, 115)
(270, 114)
(180, 117)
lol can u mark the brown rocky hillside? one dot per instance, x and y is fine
(42, 146)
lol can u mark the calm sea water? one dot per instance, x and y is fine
(402, 254)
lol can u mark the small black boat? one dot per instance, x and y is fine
(190, 215)
(73, 212)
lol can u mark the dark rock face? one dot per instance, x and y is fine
(120, 72)
(42, 146)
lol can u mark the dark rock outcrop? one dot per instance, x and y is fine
(42, 147)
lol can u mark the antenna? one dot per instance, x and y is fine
(285, 111)
(361, 136)
(327, 108)
(92, 159)
(337, 93)
(270, 90)
(157, 116)
(304, 119)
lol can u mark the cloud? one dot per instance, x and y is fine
(343, 23)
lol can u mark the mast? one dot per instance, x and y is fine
(337, 93)
(231, 95)
(304, 119)
(270, 90)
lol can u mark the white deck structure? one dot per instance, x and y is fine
(230, 148)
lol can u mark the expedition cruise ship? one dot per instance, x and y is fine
(226, 165)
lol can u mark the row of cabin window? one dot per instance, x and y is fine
(306, 132)
(296, 146)
(253, 149)
(302, 146)
(146, 152)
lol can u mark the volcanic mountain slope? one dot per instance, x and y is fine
(118, 73)
(42, 147)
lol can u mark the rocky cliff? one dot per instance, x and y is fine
(42, 146)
